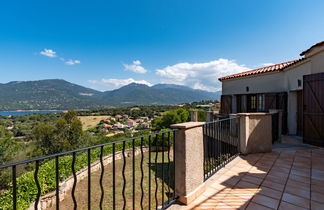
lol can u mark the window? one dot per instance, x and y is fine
(261, 102)
(252, 103)
(256, 103)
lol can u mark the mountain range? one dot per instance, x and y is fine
(61, 95)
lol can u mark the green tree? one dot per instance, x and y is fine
(44, 135)
(66, 134)
(171, 117)
(8, 147)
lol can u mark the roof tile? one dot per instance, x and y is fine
(272, 68)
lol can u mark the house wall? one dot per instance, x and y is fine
(285, 81)
(257, 84)
(317, 63)
(292, 76)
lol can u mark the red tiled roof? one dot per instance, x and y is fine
(272, 68)
(315, 45)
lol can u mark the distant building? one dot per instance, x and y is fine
(118, 125)
(131, 123)
(107, 126)
(145, 118)
(145, 125)
(117, 117)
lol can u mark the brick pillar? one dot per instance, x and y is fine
(189, 160)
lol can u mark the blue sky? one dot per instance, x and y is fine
(106, 44)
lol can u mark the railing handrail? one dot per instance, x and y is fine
(80, 149)
(230, 118)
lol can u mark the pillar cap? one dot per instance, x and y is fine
(254, 114)
(187, 125)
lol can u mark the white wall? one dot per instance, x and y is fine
(293, 75)
(265, 83)
(317, 62)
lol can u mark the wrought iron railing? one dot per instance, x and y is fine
(133, 173)
(221, 144)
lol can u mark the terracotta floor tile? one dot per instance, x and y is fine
(255, 206)
(278, 174)
(298, 191)
(232, 173)
(305, 173)
(297, 178)
(259, 174)
(288, 206)
(276, 179)
(234, 201)
(238, 186)
(317, 182)
(316, 206)
(273, 185)
(230, 182)
(243, 193)
(302, 164)
(319, 197)
(252, 179)
(270, 192)
(296, 200)
(223, 206)
(246, 185)
(280, 169)
(266, 201)
(317, 188)
(302, 185)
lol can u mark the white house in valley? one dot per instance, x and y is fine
(296, 87)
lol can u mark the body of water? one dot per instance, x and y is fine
(17, 113)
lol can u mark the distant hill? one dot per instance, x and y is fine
(61, 95)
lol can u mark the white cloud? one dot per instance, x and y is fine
(71, 62)
(268, 64)
(117, 83)
(52, 54)
(49, 53)
(202, 76)
(135, 67)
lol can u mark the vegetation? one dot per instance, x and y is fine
(8, 148)
(23, 137)
(65, 135)
(26, 187)
(171, 117)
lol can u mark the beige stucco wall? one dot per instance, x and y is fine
(255, 132)
(292, 75)
(317, 62)
(266, 83)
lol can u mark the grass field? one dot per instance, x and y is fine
(91, 121)
(156, 190)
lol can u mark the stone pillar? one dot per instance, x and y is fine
(209, 116)
(255, 132)
(189, 161)
(194, 116)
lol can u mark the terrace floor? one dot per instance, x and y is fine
(290, 177)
